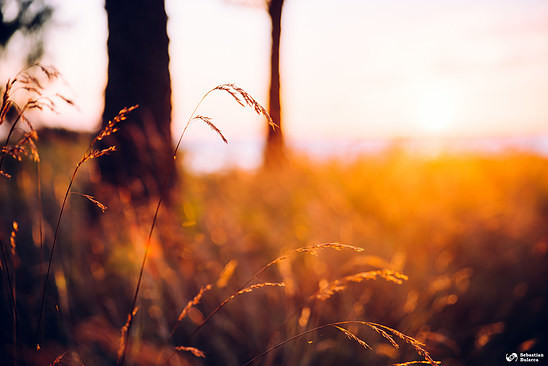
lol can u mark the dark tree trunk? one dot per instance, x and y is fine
(138, 73)
(274, 149)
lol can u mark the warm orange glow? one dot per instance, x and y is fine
(435, 109)
(336, 79)
(418, 233)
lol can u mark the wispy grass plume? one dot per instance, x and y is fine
(417, 345)
(234, 92)
(386, 332)
(233, 296)
(353, 337)
(124, 334)
(306, 250)
(195, 301)
(238, 94)
(26, 92)
(23, 93)
(195, 351)
(91, 153)
(340, 284)
(208, 121)
(93, 200)
(337, 246)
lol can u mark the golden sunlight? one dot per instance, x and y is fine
(435, 108)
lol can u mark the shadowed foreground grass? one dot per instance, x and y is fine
(469, 232)
(74, 305)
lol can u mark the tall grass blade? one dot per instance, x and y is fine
(381, 329)
(231, 89)
(91, 153)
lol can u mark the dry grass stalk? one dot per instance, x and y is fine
(26, 81)
(91, 153)
(384, 334)
(32, 91)
(13, 235)
(109, 129)
(208, 122)
(250, 289)
(5, 175)
(195, 301)
(306, 250)
(11, 280)
(30, 84)
(226, 273)
(233, 90)
(233, 296)
(35, 99)
(239, 290)
(124, 334)
(238, 93)
(58, 360)
(384, 331)
(92, 199)
(195, 351)
(67, 359)
(337, 246)
(94, 154)
(368, 260)
(112, 126)
(340, 284)
(18, 150)
(417, 345)
(5, 265)
(353, 337)
(265, 267)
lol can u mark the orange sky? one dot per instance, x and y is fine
(351, 69)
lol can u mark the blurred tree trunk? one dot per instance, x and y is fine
(274, 149)
(138, 73)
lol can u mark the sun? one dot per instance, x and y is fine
(435, 108)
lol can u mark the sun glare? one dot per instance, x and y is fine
(435, 108)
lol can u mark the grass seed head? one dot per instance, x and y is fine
(208, 121)
(353, 337)
(124, 334)
(240, 94)
(195, 351)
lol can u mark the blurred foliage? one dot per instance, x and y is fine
(27, 17)
(469, 231)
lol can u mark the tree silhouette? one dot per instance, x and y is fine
(138, 73)
(274, 152)
(274, 149)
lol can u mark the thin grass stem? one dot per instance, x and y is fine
(89, 154)
(50, 260)
(164, 190)
(384, 329)
(11, 290)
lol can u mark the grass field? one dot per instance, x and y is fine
(469, 232)
(387, 259)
